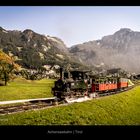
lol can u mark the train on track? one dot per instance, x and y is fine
(76, 83)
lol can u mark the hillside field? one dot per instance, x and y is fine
(26, 89)
(119, 109)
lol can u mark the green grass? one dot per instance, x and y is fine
(119, 109)
(26, 89)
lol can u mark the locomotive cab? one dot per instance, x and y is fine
(70, 83)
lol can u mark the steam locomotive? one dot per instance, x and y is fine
(81, 83)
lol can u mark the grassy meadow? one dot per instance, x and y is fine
(26, 89)
(119, 109)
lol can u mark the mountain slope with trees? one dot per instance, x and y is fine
(32, 50)
(35, 51)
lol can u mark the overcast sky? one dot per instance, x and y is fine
(72, 24)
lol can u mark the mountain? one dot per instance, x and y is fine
(33, 51)
(122, 49)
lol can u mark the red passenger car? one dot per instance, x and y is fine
(122, 83)
(103, 85)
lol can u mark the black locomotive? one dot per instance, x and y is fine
(81, 83)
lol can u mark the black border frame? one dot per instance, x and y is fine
(92, 132)
(70, 3)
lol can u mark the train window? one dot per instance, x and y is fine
(72, 84)
(101, 81)
(65, 75)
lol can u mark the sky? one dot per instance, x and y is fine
(72, 24)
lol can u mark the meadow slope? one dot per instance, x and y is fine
(26, 89)
(119, 109)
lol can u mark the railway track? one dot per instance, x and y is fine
(32, 105)
(47, 103)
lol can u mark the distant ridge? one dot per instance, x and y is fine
(122, 49)
(33, 50)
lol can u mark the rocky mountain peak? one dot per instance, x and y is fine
(27, 31)
(28, 34)
(1, 29)
(58, 43)
(121, 49)
(123, 31)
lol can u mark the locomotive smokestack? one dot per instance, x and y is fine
(61, 73)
